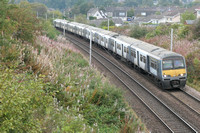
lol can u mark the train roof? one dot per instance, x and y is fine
(147, 47)
(135, 43)
(60, 20)
(106, 32)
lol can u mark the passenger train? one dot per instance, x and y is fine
(166, 67)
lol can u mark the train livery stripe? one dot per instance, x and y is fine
(174, 73)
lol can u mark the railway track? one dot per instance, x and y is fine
(189, 101)
(167, 116)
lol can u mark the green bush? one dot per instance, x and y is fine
(23, 102)
(159, 30)
(92, 18)
(105, 24)
(195, 30)
(183, 31)
(9, 53)
(49, 30)
(138, 32)
(193, 69)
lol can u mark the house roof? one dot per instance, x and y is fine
(98, 22)
(156, 16)
(148, 18)
(197, 8)
(146, 9)
(174, 11)
(93, 10)
(193, 8)
(142, 19)
(189, 22)
(113, 9)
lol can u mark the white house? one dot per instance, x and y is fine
(173, 15)
(117, 12)
(96, 13)
(198, 12)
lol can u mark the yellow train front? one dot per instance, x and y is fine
(174, 73)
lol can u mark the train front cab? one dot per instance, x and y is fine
(174, 74)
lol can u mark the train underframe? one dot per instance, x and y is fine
(173, 83)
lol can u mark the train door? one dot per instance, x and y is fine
(148, 64)
(115, 47)
(122, 50)
(143, 61)
(153, 66)
(138, 59)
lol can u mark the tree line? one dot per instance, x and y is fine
(69, 4)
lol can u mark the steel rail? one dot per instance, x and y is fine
(145, 90)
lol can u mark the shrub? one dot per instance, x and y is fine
(105, 24)
(162, 29)
(23, 102)
(82, 91)
(183, 31)
(92, 18)
(138, 32)
(49, 30)
(196, 31)
(9, 53)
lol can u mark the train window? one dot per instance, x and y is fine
(119, 46)
(134, 54)
(167, 64)
(144, 59)
(105, 40)
(153, 64)
(125, 50)
(178, 64)
(131, 52)
(140, 57)
(112, 43)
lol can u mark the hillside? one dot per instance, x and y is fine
(67, 4)
(48, 86)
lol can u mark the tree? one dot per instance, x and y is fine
(81, 19)
(176, 2)
(187, 16)
(105, 23)
(18, 22)
(41, 9)
(85, 7)
(7, 26)
(131, 3)
(138, 32)
(196, 31)
(130, 12)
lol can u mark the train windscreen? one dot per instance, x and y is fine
(173, 63)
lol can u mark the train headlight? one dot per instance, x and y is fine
(182, 74)
(166, 76)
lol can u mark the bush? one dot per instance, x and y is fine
(138, 32)
(9, 53)
(183, 31)
(23, 102)
(193, 69)
(49, 30)
(105, 24)
(92, 18)
(159, 30)
(196, 31)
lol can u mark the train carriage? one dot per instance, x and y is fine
(57, 23)
(168, 68)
